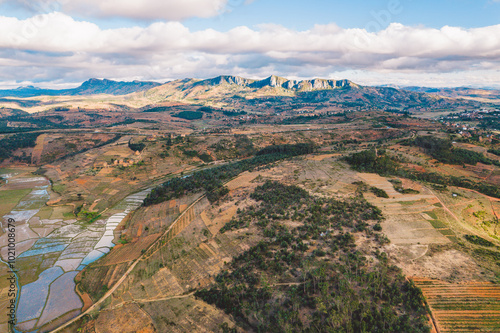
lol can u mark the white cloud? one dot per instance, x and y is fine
(55, 46)
(136, 9)
(147, 9)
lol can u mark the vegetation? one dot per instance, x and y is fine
(494, 151)
(205, 157)
(158, 109)
(443, 151)
(10, 144)
(89, 217)
(372, 161)
(190, 153)
(233, 113)
(397, 184)
(379, 192)
(369, 161)
(101, 144)
(189, 115)
(139, 146)
(240, 147)
(478, 240)
(211, 180)
(280, 285)
(292, 150)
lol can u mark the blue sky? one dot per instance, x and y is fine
(354, 13)
(59, 43)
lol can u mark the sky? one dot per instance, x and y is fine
(61, 43)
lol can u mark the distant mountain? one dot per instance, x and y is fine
(90, 87)
(227, 90)
(460, 92)
(276, 81)
(96, 86)
(236, 92)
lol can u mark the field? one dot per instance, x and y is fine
(466, 307)
(167, 254)
(10, 198)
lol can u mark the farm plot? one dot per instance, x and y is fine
(467, 307)
(405, 224)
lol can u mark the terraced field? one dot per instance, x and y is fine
(467, 307)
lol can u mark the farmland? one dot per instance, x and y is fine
(171, 218)
(467, 307)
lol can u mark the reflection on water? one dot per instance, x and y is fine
(69, 246)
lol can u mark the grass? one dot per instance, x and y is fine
(454, 239)
(63, 212)
(438, 224)
(432, 215)
(446, 232)
(10, 199)
(488, 253)
(58, 188)
(45, 213)
(69, 215)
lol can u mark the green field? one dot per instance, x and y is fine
(10, 199)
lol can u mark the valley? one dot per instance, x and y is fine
(237, 205)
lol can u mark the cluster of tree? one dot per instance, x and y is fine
(190, 153)
(36, 122)
(490, 121)
(205, 157)
(293, 150)
(443, 151)
(300, 119)
(89, 217)
(368, 161)
(373, 161)
(279, 285)
(379, 192)
(189, 115)
(233, 113)
(138, 146)
(11, 143)
(158, 109)
(240, 147)
(478, 240)
(212, 179)
(494, 151)
(398, 186)
(206, 109)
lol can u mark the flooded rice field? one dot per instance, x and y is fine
(51, 252)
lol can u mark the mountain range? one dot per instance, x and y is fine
(89, 87)
(234, 91)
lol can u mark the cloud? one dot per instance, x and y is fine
(135, 9)
(55, 46)
(147, 9)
